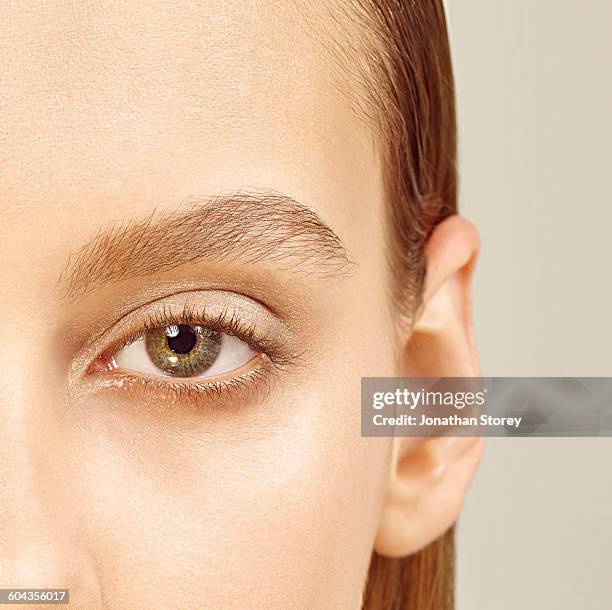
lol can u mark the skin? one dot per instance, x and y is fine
(135, 497)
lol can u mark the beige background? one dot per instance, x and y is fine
(535, 97)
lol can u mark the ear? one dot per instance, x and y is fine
(430, 476)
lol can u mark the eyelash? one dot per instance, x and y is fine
(253, 381)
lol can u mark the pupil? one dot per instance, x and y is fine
(184, 341)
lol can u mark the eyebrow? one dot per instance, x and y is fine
(245, 227)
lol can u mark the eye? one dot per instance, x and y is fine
(183, 350)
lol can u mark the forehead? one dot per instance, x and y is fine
(162, 58)
(90, 84)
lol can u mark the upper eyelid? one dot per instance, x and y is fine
(219, 323)
(214, 302)
(192, 318)
(177, 294)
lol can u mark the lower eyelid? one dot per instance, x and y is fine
(250, 384)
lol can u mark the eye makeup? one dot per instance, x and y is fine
(180, 337)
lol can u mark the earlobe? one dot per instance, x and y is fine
(430, 476)
(426, 490)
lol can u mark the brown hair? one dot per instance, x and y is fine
(405, 88)
(410, 62)
(408, 73)
(423, 581)
(399, 60)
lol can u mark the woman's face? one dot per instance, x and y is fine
(196, 163)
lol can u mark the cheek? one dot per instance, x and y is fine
(280, 515)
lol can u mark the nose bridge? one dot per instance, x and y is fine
(24, 407)
(38, 543)
(23, 520)
(19, 432)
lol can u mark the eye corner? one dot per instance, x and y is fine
(103, 363)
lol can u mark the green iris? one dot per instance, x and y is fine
(183, 350)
